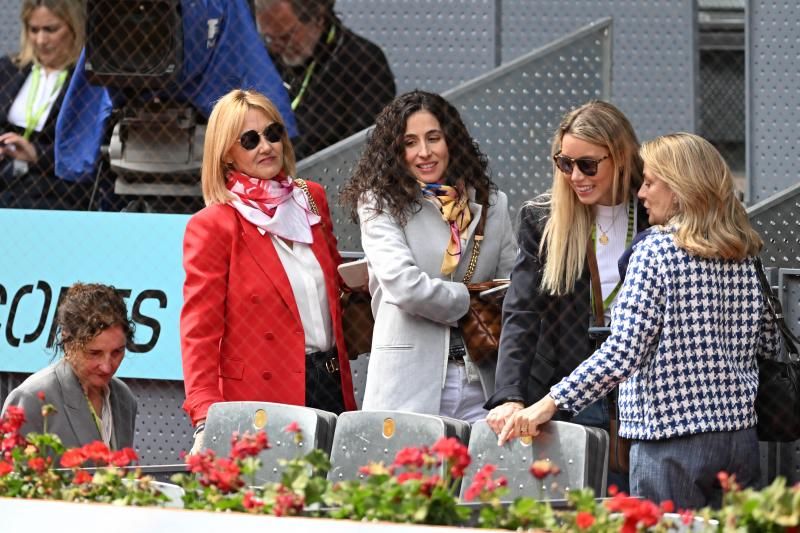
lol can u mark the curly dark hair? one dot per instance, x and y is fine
(87, 310)
(382, 169)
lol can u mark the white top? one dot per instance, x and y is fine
(613, 220)
(310, 294)
(44, 95)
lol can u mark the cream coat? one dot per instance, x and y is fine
(414, 304)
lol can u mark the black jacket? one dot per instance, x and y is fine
(544, 337)
(39, 188)
(11, 80)
(349, 85)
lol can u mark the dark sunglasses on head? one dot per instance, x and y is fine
(586, 165)
(272, 133)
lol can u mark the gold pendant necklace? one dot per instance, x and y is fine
(603, 238)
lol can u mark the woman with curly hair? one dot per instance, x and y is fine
(419, 192)
(90, 403)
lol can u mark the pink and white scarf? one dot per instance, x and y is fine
(276, 206)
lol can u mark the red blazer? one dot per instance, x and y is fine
(241, 335)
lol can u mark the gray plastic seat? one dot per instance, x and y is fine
(358, 372)
(580, 452)
(362, 437)
(225, 418)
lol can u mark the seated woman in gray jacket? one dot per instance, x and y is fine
(91, 404)
(418, 193)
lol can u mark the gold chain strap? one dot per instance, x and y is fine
(300, 182)
(473, 260)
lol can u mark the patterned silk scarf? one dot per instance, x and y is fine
(276, 206)
(453, 203)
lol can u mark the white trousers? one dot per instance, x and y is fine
(461, 399)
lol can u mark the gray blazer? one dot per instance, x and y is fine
(72, 421)
(415, 305)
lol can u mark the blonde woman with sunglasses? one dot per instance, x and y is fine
(689, 323)
(261, 318)
(547, 311)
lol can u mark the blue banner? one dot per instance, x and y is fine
(44, 252)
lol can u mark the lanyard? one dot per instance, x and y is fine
(32, 116)
(628, 239)
(309, 71)
(96, 419)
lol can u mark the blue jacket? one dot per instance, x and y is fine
(213, 64)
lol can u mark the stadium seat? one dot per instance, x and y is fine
(362, 437)
(225, 418)
(580, 453)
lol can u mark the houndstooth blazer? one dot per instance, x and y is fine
(684, 337)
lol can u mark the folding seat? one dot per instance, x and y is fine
(225, 418)
(358, 371)
(579, 452)
(363, 437)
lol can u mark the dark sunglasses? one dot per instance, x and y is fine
(272, 133)
(586, 165)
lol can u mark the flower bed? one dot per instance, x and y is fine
(410, 490)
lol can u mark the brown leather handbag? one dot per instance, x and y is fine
(618, 447)
(481, 326)
(357, 319)
(357, 322)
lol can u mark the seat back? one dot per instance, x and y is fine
(581, 454)
(225, 418)
(362, 437)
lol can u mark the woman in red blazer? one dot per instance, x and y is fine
(261, 319)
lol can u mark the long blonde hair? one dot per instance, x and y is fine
(710, 220)
(569, 225)
(222, 131)
(72, 12)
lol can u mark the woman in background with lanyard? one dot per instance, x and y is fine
(32, 87)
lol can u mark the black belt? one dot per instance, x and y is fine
(457, 353)
(328, 360)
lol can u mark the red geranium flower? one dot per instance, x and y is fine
(14, 440)
(14, 418)
(542, 468)
(636, 512)
(37, 464)
(123, 457)
(455, 453)
(483, 483)
(667, 506)
(287, 503)
(413, 457)
(584, 520)
(428, 484)
(97, 451)
(250, 501)
(5, 468)
(405, 476)
(294, 427)
(248, 445)
(82, 477)
(73, 457)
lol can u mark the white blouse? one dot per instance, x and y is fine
(310, 293)
(46, 94)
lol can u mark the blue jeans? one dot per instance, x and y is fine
(684, 469)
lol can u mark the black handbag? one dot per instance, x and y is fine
(778, 398)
